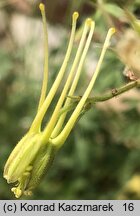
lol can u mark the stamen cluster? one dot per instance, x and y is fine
(35, 152)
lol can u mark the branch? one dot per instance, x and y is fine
(92, 100)
(115, 92)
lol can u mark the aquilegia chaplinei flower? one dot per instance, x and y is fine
(34, 153)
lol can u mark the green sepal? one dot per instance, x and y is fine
(22, 156)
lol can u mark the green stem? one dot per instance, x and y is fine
(115, 92)
(92, 100)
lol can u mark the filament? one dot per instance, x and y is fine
(39, 117)
(61, 138)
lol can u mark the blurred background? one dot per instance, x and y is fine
(101, 158)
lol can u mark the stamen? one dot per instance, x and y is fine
(17, 192)
(45, 75)
(61, 138)
(38, 119)
(75, 15)
(48, 130)
(91, 24)
(41, 7)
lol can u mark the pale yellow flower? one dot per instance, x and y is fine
(34, 153)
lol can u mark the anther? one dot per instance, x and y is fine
(75, 15)
(42, 7)
(112, 31)
(88, 21)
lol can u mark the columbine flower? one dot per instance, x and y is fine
(35, 152)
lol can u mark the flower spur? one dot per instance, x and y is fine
(35, 152)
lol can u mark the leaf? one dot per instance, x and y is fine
(114, 10)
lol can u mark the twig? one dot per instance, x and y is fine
(115, 92)
(92, 100)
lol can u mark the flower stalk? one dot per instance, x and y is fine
(100, 98)
(34, 153)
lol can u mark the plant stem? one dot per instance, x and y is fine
(115, 92)
(92, 100)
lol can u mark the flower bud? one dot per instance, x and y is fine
(21, 157)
